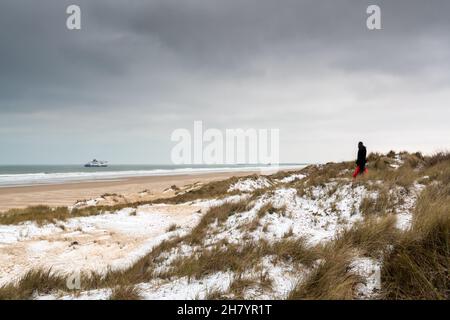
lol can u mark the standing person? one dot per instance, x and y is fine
(361, 160)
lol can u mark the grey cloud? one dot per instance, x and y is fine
(147, 67)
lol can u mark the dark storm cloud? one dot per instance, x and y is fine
(290, 64)
(41, 59)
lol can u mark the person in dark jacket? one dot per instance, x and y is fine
(361, 160)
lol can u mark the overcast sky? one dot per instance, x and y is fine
(137, 70)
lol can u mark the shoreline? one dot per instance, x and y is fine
(48, 175)
(130, 188)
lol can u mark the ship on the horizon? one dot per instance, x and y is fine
(96, 164)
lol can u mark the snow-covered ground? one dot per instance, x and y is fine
(248, 185)
(116, 240)
(404, 211)
(370, 270)
(94, 243)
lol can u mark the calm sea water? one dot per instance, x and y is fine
(19, 175)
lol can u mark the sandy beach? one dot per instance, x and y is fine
(130, 188)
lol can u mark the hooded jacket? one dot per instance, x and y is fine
(361, 161)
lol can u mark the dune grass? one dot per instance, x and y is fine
(44, 214)
(331, 280)
(215, 214)
(34, 281)
(418, 266)
(124, 292)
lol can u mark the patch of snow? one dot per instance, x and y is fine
(284, 278)
(219, 202)
(94, 243)
(86, 203)
(98, 294)
(176, 289)
(405, 211)
(315, 220)
(10, 234)
(370, 270)
(249, 185)
(398, 161)
(404, 220)
(183, 289)
(292, 178)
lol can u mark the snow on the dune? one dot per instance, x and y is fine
(108, 241)
(283, 276)
(217, 202)
(98, 294)
(93, 243)
(370, 270)
(320, 219)
(284, 279)
(314, 220)
(177, 289)
(10, 234)
(86, 203)
(404, 220)
(116, 240)
(292, 178)
(184, 289)
(404, 211)
(248, 185)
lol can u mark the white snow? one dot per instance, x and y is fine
(284, 278)
(292, 178)
(370, 270)
(404, 212)
(176, 289)
(184, 289)
(94, 243)
(248, 185)
(313, 220)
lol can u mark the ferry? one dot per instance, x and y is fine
(96, 164)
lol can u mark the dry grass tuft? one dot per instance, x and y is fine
(413, 160)
(240, 257)
(215, 189)
(39, 214)
(45, 214)
(331, 280)
(172, 227)
(217, 214)
(124, 292)
(379, 205)
(215, 294)
(437, 158)
(35, 281)
(418, 265)
(370, 237)
(294, 251)
(235, 258)
(239, 285)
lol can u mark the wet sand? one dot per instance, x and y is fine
(68, 193)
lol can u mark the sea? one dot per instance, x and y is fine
(27, 175)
